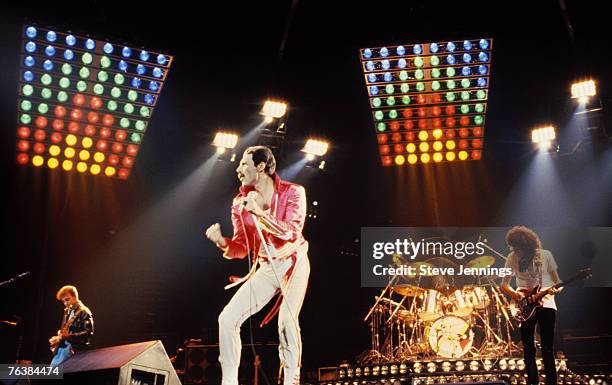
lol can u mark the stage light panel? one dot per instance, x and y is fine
(274, 109)
(77, 93)
(583, 90)
(543, 136)
(224, 141)
(315, 147)
(430, 93)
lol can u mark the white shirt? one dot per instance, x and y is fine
(542, 266)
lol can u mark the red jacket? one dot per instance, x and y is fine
(282, 226)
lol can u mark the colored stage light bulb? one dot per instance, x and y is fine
(29, 61)
(111, 105)
(68, 54)
(371, 78)
(467, 58)
(102, 76)
(52, 163)
(43, 108)
(385, 64)
(399, 160)
(479, 107)
(105, 62)
(434, 60)
(482, 69)
(81, 86)
(46, 93)
(126, 52)
(467, 45)
(144, 55)
(98, 89)
(403, 75)
(464, 109)
(404, 87)
(418, 61)
(384, 52)
(379, 115)
(389, 89)
(376, 102)
(162, 60)
(417, 49)
(480, 94)
(136, 82)
(119, 79)
(31, 32)
(465, 95)
(26, 105)
(132, 95)
(450, 84)
(128, 108)
(27, 90)
(434, 47)
(435, 73)
(483, 57)
(28, 76)
(135, 137)
(465, 83)
(450, 59)
(95, 169)
(115, 92)
(122, 65)
(367, 53)
(81, 167)
(51, 36)
(87, 58)
(479, 120)
(466, 71)
(48, 65)
(450, 96)
(370, 66)
(483, 43)
(410, 147)
(390, 101)
(450, 72)
(420, 87)
(405, 99)
(402, 63)
(450, 46)
(84, 73)
(90, 44)
(157, 72)
(140, 125)
(140, 69)
(419, 74)
(71, 40)
(108, 48)
(30, 46)
(153, 86)
(400, 50)
(387, 77)
(482, 82)
(393, 114)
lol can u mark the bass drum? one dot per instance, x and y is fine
(450, 336)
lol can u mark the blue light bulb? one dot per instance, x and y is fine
(149, 99)
(50, 50)
(123, 65)
(482, 82)
(450, 59)
(157, 72)
(400, 50)
(385, 64)
(48, 65)
(467, 45)
(68, 54)
(372, 78)
(71, 40)
(153, 86)
(51, 36)
(367, 53)
(467, 58)
(28, 76)
(30, 46)
(387, 77)
(29, 61)
(434, 47)
(144, 55)
(417, 49)
(374, 90)
(483, 56)
(483, 43)
(31, 32)
(450, 46)
(384, 52)
(466, 71)
(140, 69)
(136, 82)
(126, 52)
(90, 44)
(402, 63)
(370, 66)
(108, 48)
(482, 69)
(161, 59)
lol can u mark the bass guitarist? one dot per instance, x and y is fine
(77, 326)
(533, 266)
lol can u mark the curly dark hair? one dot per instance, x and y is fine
(263, 154)
(525, 242)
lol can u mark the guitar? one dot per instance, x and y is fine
(525, 308)
(56, 341)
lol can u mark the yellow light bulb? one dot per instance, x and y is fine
(87, 142)
(423, 135)
(69, 152)
(450, 156)
(110, 171)
(94, 169)
(425, 158)
(450, 144)
(67, 165)
(412, 158)
(81, 167)
(399, 160)
(410, 147)
(424, 147)
(438, 146)
(52, 163)
(99, 157)
(83, 154)
(437, 133)
(54, 150)
(38, 160)
(437, 157)
(463, 155)
(71, 140)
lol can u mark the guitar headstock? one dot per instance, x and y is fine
(585, 273)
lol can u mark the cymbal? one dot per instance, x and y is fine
(407, 290)
(442, 262)
(481, 262)
(391, 302)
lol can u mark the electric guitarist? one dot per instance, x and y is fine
(76, 329)
(533, 266)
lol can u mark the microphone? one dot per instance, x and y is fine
(23, 275)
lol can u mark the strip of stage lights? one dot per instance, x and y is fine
(85, 105)
(429, 101)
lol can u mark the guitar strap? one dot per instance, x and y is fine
(71, 319)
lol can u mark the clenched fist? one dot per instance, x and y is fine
(214, 234)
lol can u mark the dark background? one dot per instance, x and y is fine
(135, 249)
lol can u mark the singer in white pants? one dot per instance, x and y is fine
(268, 216)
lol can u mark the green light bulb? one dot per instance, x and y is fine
(465, 95)
(465, 83)
(87, 58)
(64, 82)
(115, 92)
(27, 90)
(46, 93)
(25, 119)
(128, 108)
(465, 109)
(450, 84)
(102, 76)
(435, 73)
(105, 62)
(481, 94)
(406, 99)
(378, 115)
(420, 87)
(404, 88)
(43, 108)
(418, 61)
(393, 114)
(403, 75)
(435, 60)
(435, 85)
(66, 69)
(81, 86)
(84, 72)
(62, 97)
(381, 127)
(390, 101)
(132, 95)
(389, 89)
(124, 122)
(479, 107)
(111, 105)
(26, 105)
(450, 96)
(450, 72)
(419, 74)
(140, 125)
(478, 120)
(135, 137)
(376, 102)
(46, 79)
(98, 89)
(119, 79)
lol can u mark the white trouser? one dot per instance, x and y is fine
(251, 297)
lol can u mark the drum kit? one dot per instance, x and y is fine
(430, 317)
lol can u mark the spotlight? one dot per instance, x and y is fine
(417, 367)
(474, 365)
(224, 141)
(273, 110)
(446, 366)
(315, 147)
(583, 90)
(543, 136)
(431, 367)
